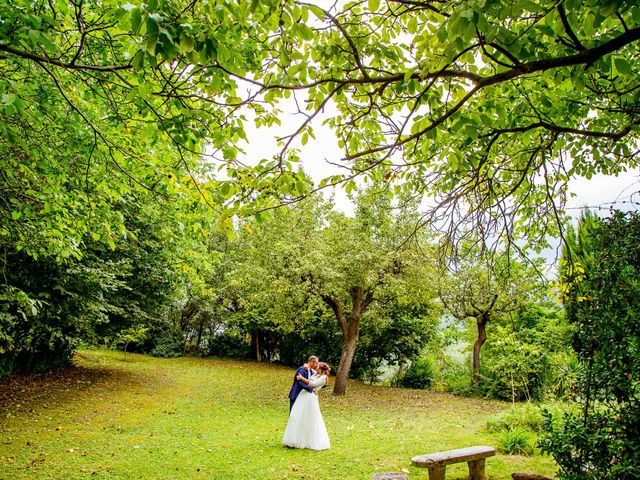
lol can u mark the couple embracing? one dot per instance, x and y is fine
(306, 428)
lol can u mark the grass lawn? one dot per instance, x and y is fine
(141, 417)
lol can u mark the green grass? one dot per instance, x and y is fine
(151, 418)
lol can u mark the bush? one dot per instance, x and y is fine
(168, 345)
(419, 375)
(513, 369)
(516, 441)
(527, 415)
(455, 378)
(601, 291)
(229, 344)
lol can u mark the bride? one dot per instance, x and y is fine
(305, 428)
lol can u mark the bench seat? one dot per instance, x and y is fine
(437, 462)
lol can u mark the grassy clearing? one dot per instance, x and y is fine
(150, 418)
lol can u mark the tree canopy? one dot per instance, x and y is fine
(310, 258)
(487, 107)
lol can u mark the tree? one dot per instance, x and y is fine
(479, 288)
(486, 107)
(420, 90)
(359, 260)
(600, 437)
(530, 354)
(310, 258)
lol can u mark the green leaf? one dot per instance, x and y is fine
(186, 43)
(408, 74)
(152, 42)
(305, 32)
(413, 24)
(373, 5)
(136, 20)
(623, 66)
(317, 11)
(138, 60)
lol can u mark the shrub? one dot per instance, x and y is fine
(229, 344)
(168, 345)
(601, 291)
(516, 441)
(455, 378)
(419, 374)
(513, 368)
(526, 415)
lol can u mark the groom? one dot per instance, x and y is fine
(306, 371)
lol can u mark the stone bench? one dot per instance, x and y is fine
(437, 462)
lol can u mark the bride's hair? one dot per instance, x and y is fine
(324, 368)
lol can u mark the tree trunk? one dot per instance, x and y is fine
(199, 338)
(346, 358)
(255, 345)
(350, 332)
(267, 343)
(481, 322)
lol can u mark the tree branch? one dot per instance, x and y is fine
(337, 310)
(567, 28)
(58, 63)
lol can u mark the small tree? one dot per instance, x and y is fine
(478, 289)
(134, 334)
(360, 260)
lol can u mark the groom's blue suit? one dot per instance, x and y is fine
(299, 385)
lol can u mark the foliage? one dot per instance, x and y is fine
(456, 378)
(393, 334)
(530, 355)
(105, 108)
(526, 415)
(310, 259)
(51, 304)
(481, 289)
(419, 374)
(516, 441)
(603, 301)
(515, 372)
(190, 414)
(135, 334)
(168, 345)
(228, 344)
(490, 107)
(102, 98)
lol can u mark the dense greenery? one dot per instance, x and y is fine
(602, 295)
(129, 217)
(104, 295)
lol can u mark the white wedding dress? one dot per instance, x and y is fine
(305, 428)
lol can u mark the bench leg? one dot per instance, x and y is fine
(476, 469)
(437, 473)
